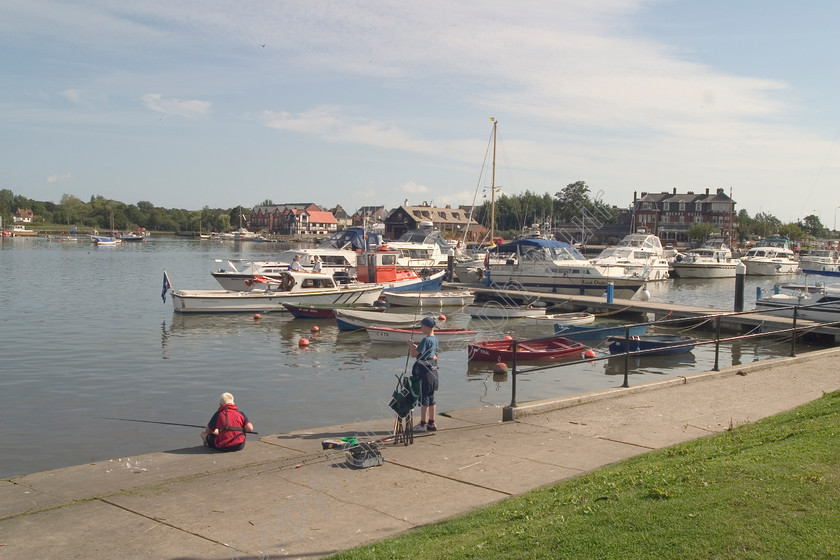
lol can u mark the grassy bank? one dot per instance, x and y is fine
(765, 490)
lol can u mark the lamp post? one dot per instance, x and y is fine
(834, 229)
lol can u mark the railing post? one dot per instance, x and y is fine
(717, 344)
(793, 332)
(626, 357)
(513, 347)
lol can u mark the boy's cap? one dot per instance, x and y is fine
(428, 322)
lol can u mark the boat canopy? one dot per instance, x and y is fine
(539, 249)
(425, 236)
(352, 238)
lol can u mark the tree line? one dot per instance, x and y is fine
(102, 213)
(514, 213)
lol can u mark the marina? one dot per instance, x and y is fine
(59, 375)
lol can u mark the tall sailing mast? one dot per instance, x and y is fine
(493, 186)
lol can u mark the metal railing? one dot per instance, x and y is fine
(758, 331)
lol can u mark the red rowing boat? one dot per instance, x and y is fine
(547, 349)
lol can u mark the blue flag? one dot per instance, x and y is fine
(166, 286)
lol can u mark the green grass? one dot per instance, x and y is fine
(765, 490)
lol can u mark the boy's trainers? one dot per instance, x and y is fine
(430, 427)
(421, 427)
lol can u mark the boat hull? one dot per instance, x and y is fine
(556, 348)
(652, 345)
(432, 283)
(429, 299)
(699, 270)
(222, 301)
(770, 268)
(393, 335)
(561, 318)
(596, 332)
(492, 310)
(353, 320)
(313, 311)
(563, 284)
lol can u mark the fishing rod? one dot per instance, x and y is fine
(165, 423)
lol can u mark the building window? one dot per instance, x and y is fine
(682, 207)
(666, 206)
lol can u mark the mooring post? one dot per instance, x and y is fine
(793, 332)
(450, 265)
(507, 412)
(626, 357)
(740, 277)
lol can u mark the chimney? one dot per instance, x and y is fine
(707, 191)
(675, 190)
(634, 195)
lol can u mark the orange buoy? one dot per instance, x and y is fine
(500, 368)
(590, 353)
(303, 342)
(315, 329)
(508, 337)
(442, 317)
(257, 316)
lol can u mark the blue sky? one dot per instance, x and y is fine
(219, 103)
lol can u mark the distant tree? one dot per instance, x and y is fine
(701, 232)
(766, 224)
(792, 231)
(744, 226)
(572, 200)
(813, 226)
(267, 202)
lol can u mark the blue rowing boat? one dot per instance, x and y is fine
(596, 332)
(652, 345)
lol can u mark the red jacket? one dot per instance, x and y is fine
(231, 425)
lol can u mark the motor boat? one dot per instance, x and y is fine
(772, 256)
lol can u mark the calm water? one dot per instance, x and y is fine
(84, 336)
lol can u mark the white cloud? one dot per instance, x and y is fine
(413, 188)
(58, 178)
(187, 108)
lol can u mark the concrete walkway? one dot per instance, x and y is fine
(283, 497)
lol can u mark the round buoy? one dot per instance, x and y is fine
(257, 316)
(303, 342)
(442, 318)
(316, 329)
(590, 353)
(500, 368)
(508, 337)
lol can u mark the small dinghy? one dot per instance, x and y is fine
(430, 299)
(577, 318)
(493, 310)
(388, 334)
(652, 344)
(546, 349)
(596, 332)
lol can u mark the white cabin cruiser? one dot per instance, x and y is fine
(641, 254)
(821, 304)
(421, 248)
(819, 260)
(338, 255)
(291, 287)
(772, 256)
(544, 265)
(712, 260)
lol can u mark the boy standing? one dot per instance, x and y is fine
(426, 370)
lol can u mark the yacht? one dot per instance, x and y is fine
(338, 256)
(544, 265)
(772, 256)
(712, 260)
(639, 254)
(819, 260)
(421, 248)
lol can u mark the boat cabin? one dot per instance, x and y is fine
(381, 266)
(290, 281)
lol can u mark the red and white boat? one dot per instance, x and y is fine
(388, 334)
(556, 348)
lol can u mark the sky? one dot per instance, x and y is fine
(219, 103)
